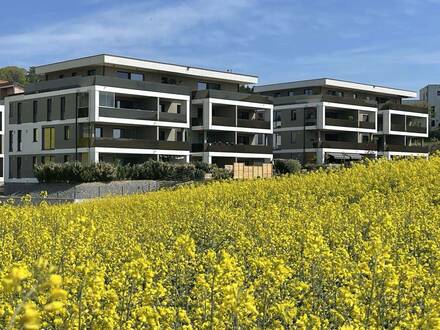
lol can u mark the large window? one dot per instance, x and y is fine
(98, 132)
(49, 110)
(18, 113)
(66, 132)
(35, 135)
(34, 111)
(19, 142)
(107, 99)
(11, 141)
(123, 74)
(48, 138)
(137, 76)
(63, 108)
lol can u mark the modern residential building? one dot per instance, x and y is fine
(117, 109)
(6, 89)
(431, 95)
(328, 120)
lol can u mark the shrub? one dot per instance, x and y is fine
(286, 166)
(220, 173)
(71, 171)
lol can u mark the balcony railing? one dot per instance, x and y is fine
(253, 123)
(416, 129)
(349, 123)
(341, 122)
(411, 129)
(172, 117)
(234, 96)
(75, 82)
(345, 145)
(403, 148)
(299, 99)
(128, 113)
(134, 144)
(404, 107)
(235, 148)
(223, 121)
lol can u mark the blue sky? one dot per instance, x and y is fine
(387, 42)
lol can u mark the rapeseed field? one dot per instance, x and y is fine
(355, 248)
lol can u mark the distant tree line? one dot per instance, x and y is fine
(15, 74)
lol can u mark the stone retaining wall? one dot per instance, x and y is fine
(85, 190)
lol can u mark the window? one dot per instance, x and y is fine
(66, 158)
(18, 167)
(166, 80)
(19, 113)
(365, 138)
(98, 132)
(161, 107)
(34, 111)
(19, 143)
(116, 133)
(66, 132)
(137, 76)
(162, 135)
(335, 93)
(48, 138)
(11, 141)
(179, 108)
(308, 92)
(432, 123)
(34, 161)
(292, 137)
(49, 109)
(35, 135)
(292, 114)
(179, 136)
(63, 108)
(107, 99)
(201, 85)
(123, 75)
(291, 93)
(438, 93)
(73, 74)
(276, 140)
(91, 72)
(260, 139)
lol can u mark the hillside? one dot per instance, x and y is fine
(356, 248)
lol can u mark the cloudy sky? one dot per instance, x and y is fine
(387, 42)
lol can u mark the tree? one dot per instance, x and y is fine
(13, 74)
(32, 77)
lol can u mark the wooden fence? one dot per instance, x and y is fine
(241, 171)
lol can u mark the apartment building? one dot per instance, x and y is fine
(431, 95)
(6, 89)
(329, 121)
(124, 110)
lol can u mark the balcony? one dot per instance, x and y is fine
(234, 148)
(341, 122)
(253, 123)
(299, 99)
(136, 114)
(404, 107)
(234, 96)
(134, 144)
(172, 117)
(349, 123)
(403, 148)
(345, 145)
(411, 129)
(76, 82)
(223, 121)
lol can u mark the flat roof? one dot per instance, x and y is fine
(335, 83)
(139, 64)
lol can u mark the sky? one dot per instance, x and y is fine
(385, 42)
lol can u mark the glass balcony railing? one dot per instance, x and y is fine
(234, 148)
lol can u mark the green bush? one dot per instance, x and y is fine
(74, 172)
(286, 166)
